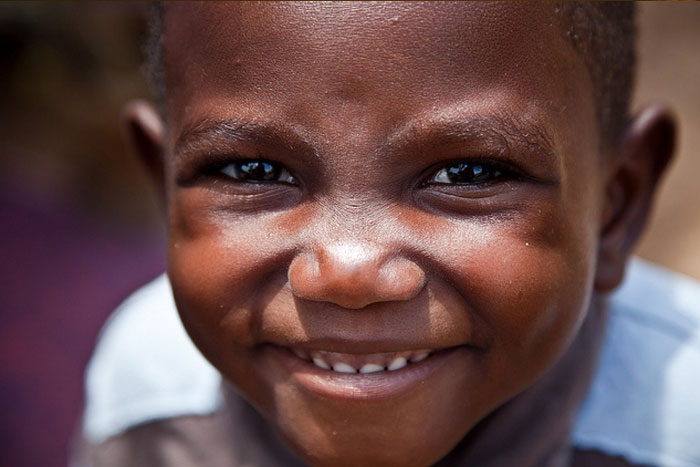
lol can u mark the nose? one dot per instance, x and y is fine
(354, 275)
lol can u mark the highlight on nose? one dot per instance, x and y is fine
(354, 275)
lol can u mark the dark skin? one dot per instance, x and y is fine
(434, 181)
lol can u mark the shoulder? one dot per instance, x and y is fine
(642, 404)
(145, 368)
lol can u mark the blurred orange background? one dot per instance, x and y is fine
(669, 71)
(81, 227)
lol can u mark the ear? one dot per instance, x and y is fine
(640, 161)
(144, 132)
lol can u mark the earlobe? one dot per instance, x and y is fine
(144, 131)
(641, 159)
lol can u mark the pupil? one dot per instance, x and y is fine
(467, 173)
(256, 170)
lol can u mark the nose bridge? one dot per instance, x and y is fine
(353, 270)
(350, 258)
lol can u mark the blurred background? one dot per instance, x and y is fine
(80, 226)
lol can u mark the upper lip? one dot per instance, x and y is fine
(387, 327)
(358, 346)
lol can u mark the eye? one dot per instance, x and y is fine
(466, 173)
(257, 171)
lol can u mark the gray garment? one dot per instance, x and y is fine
(228, 437)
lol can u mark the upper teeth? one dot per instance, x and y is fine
(397, 364)
(362, 363)
(343, 368)
(419, 357)
(319, 362)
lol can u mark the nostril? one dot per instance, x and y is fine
(354, 276)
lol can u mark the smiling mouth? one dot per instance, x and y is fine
(364, 377)
(362, 363)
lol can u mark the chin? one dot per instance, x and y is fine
(411, 416)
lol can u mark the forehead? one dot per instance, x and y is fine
(371, 65)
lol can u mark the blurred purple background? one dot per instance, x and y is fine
(80, 227)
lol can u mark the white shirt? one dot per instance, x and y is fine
(643, 403)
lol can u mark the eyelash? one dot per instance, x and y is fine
(450, 174)
(480, 175)
(468, 173)
(255, 171)
(232, 168)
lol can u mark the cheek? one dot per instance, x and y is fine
(527, 278)
(222, 267)
(533, 296)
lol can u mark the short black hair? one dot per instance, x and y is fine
(603, 33)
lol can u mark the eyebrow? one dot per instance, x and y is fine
(208, 129)
(505, 132)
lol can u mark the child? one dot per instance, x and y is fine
(393, 229)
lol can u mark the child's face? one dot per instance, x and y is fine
(431, 183)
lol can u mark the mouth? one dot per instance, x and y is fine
(362, 364)
(367, 377)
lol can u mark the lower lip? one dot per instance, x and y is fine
(363, 387)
